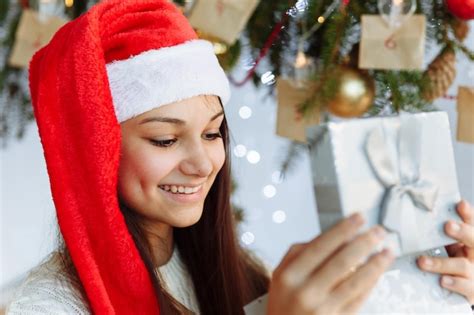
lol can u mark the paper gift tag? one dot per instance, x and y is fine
(33, 33)
(290, 123)
(384, 48)
(223, 19)
(465, 106)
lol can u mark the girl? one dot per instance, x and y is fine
(129, 105)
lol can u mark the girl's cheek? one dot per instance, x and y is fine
(218, 157)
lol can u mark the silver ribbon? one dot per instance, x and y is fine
(401, 181)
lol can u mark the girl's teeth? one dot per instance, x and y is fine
(180, 189)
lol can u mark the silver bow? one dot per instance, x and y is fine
(401, 181)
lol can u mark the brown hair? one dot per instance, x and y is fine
(226, 277)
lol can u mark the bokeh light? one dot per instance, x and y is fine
(253, 157)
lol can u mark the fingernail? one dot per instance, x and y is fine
(427, 262)
(463, 205)
(387, 253)
(379, 232)
(447, 281)
(356, 218)
(454, 226)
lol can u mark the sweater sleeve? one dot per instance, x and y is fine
(257, 306)
(36, 300)
(45, 291)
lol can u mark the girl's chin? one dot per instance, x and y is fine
(186, 217)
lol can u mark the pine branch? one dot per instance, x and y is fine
(294, 151)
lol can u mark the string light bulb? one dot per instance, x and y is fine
(303, 68)
(220, 48)
(301, 60)
(68, 3)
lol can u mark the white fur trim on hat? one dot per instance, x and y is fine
(162, 76)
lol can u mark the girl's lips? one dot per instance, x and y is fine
(184, 198)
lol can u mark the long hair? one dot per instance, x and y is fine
(226, 277)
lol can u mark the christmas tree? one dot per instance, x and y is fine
(289, 34)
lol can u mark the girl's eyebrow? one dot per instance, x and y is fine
(174, 120)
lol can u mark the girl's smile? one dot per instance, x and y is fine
(184, 197)
(183, 194)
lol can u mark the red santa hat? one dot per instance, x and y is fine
(120, 59)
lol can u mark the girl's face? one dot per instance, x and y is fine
(170, 157)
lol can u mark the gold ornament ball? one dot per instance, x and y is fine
(354, 95)
(219, 46)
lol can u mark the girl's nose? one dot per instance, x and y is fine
(198, 163)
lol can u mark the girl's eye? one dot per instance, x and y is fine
(163, 143)
(213, 136)
(169, 142)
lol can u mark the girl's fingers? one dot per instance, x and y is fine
(455, 266)
(460, 231)
(460, 285)
(355, 290)
(319, 249)
(318, 285)
(290, 255)
(466, 212)
(354, 306)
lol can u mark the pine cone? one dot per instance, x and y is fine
(441, 74)
(460, 29)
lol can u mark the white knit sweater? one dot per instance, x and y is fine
(45, 290)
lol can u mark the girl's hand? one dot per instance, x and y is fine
(330, 274)
(457, 270)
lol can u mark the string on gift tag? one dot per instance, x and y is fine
(398, 12)
(220, 7)
(46, 9)
(390, 42)
(276, 32)
(37, 43)
(450, 97)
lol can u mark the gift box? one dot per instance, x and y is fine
(398, 172)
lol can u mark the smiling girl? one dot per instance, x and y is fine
(130, 110)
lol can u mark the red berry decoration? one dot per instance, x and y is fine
(463, 9)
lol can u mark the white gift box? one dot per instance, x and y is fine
(397, 171)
